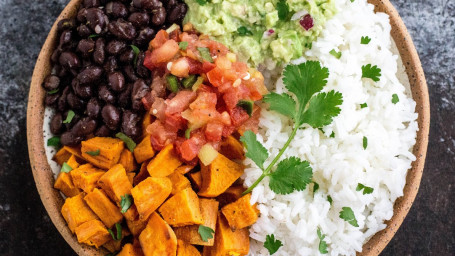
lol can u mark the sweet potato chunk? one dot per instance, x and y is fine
(182, 209)
(241, 214)
(131, 176)
(64, 182)
(136, 225)
(76, 151)
(184, 169)
(196, 178)
(219, 176)
(61, 156)
(231, 195)
(144, 150)
(158, 239)
(164, 163)
(186, 249)
(76, 212)
(190, 234)
(179, 182)
(86, 176)
(145, 123)
(110, 150)
(142, 174)
(130, 250)
(113, 245)
(150, 194)
(92, 232)
(228, 242)
(232, 148)
(115, 183)
(127, 160)
(107, 211)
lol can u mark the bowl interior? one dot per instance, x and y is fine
(53, 201)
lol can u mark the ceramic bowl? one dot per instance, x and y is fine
(53, 201)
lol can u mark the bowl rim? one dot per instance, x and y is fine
(53, 201)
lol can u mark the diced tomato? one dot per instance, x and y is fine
(207, 66)
(230, 98)
(215, 76)
(223, 62)
(205, 88)
(174, 122)
(190, 147)
(180, 67)
(238, 116)
(163, 54)
(217, 48)
(175, 35)
(159, 135)
(253, 122)
(158, 109)
(204, 100)
(161, 37)
(180, 102)
(195, 67)
(148, 60)
(147, 101)
(197, 118)
(228, 130)
(213, 131)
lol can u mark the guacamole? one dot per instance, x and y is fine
(268, 32)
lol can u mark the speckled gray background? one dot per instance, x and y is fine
(25, 228)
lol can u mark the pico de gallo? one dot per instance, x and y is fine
(200, 93)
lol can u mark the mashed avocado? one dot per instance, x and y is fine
(266, 32)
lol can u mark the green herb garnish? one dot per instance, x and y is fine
(244, 31)
(366, 190)
(283, 10)
(312, 107)
(272, 244)
(201, 2)
(136, 53)
(183, 45)
(118, 229)
(172, 83)
(189, 81)
(329, 198)
(205, 54)
(365, 40)
(130, 144)
(365, 142)
(372, 72)
(348, 215)
(93, 35)
(69, 117)
(363, 105)
(93, 153)
(54, 142)
(322, 243)
(332, 135)
(53, 91)
(395, 98)
(335, 53)
(125, 202)
(247, 105)
(315, 187)
(206, 233)
(66, 168)
(188, 133)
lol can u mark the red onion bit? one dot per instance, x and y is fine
(307, 22)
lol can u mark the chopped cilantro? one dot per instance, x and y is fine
(183, 45)
(201, 2)
(283, 10)
(118, 229)
(335, 53)
(329, 198)
(126, 202)
(136, 53)
(366, 190)
(69, 117)
(66, 168)
(205, 54)
(93, 35)
(188, 133)
(365, 40)
(363, 105)
(322, 243)
(244, 31)
(206, 233)
(332, 135)
(291, 174)
(372, 72)
(93, 153)
(315, 187)
(130, 144)
(272, 244)
(54, 142)
(365, 142)
(348, 215)
(395, 98)
(53, 91)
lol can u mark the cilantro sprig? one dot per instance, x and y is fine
(322, 243)
(372, 72)
(205, 232)
(366, 189)
(307, 105)
(365, 40)
(272, 244)
(125, 202)
(348, 215)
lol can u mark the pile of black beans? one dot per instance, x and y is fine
(97, 67)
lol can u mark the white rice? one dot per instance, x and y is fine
(340, 163)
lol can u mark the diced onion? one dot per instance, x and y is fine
(207, 154)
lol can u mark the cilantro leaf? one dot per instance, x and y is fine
(205, 54)
(69, 117)
(315, 187)
(363, 105)
(93, 153)
(281, 103)
(188, 133)
(183, 45)
(255, 150)
(365, 142)
(291, 174)
(201, 2)
(93, 35)
(66, 168)
(244, 31)
(335, 53)
(372, 72)
(118, 229)
(272, 244)
(332, 135)
(366, 190)
(329, 198)
(54, 141)
(136, 53)
(283, 10)
(206, 233)
(53, 91)
(126, 202)
(365, 40)
(348, 215)
(322, 243)
(322, 108)
(130, 144)
(395, 98)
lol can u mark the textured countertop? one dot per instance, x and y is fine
(25, 228)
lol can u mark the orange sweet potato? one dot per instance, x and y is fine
(182, 209)
(232, 148)
(142, 174)
(179, 182)
(196, 178)
(136, 225)
(92, 232)
(127, 160)
(158, 239)
(86, 176)
(184, 169)
(100, 204)
(230, 195)
(164, 163)
(186, 249)
(113, 245)
(241, 214)
(190, 234)
(130, 250)
(144, 150)
(61, 156)
(64, 182)
(131, 176)
(146, 122)
(76, 212)
(150, 194)
(110, 150)
(227, 241)
(219, 176)
(115, 183)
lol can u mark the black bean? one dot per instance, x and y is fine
(130, 73)
(69, 60)
(51, 82)
(111, 116)
(140, 89)
(66, 38)
(177, 14)
(84, 127)
(145, 36)
(115, 47)
(93, 108)
(116, 10)
(99, 53)
(170, 4)
(110, 65)
(139, 19)
(62, 102)
(122, 29)
(75, 102)
(105, 94)
(103, 131)
(65, 24)
(86, 47)
(84, 31)
(51, 99)
(149, 5)
(127, 56)
(96, 19)
(141, 70)
(124, 98)
(69, 139)
(82, 15)
(116, 81)
(56, 55)
(159, 17)
(56, 124)
(130, 124)
(91, 3)
(90, 75)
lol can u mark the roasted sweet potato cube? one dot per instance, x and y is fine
(100, 204)
(130, 250)
(232, 148)
(92, 232)
(110, 150)
(186, 249)
(150, 194)
(190, 234)
(144, 150)
(72, 161)
(196, 178)
(127, 160)
(115, 183)
(65, 184)
(113, 245)
(86, 177)
(241, 214)
(61, 156)
(229, 242)
(230, 195)
(165, 162)
(219, 176)
(182, 209)
(132, 213)
(131, 176)
(136, 226)
(184, 169)
(145, 123)
(75, 150)
(158, 239)
(142, 174)
(179, 182)
(75, 211)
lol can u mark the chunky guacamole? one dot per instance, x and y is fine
(266, 32)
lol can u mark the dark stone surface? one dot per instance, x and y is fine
(25, 228)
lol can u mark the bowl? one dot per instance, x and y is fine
(53, 201)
